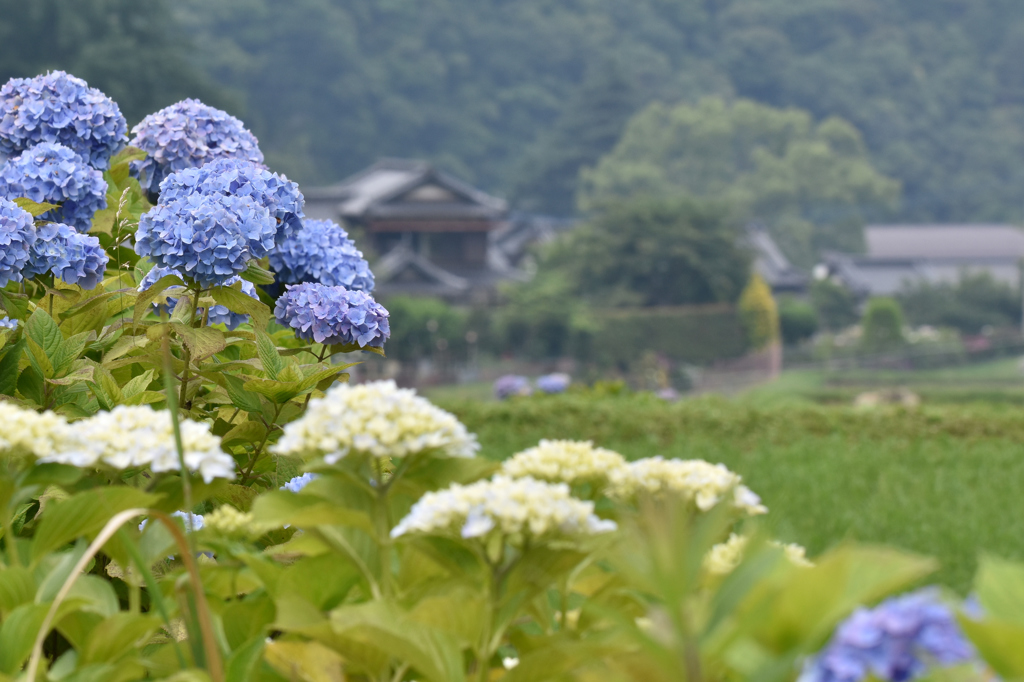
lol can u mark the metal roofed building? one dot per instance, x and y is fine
(772, 264)
(902, 255)
(431, 231)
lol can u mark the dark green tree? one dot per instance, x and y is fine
(133, 51)
(588, 128)
(882, 325)
(973, 302)
(835, 305)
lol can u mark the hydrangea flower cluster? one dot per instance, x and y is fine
(333, 315)
(210, 238)
(59, 108)
(232, 522)
(241, 178)
(510, 385)
(27, 432)
(8, 323)
(554, 383)
(564, 461)
(52, 173)
(321, 252)
(724, 557)
(189, 134)
(517, 507)
(895, 641)
(378, 419)
(299, 482)
(130, 437)
(694, 480)
(218, 314)
(17, 234)
(68, 255)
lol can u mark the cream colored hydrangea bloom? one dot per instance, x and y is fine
(378, 419)
(565, 461)
(520, 506)
(702, 483)
(139, 436)
(724, 557)
(26, 432)
(230, 521)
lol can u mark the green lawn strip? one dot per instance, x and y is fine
(944, 481)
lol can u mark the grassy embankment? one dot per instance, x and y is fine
(947, 481)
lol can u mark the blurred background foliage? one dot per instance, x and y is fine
(520, 96)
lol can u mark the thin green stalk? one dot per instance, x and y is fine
(188, 354)
(172, 405)
(320, 358)
(382, 521)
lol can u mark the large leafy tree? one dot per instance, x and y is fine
(812, 184)
(652, 252)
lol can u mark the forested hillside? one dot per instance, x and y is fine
(518, 95)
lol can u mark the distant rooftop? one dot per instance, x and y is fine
(956, 242)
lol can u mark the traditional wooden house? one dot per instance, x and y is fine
(429, 232)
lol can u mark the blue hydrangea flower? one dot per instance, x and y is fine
(50, 172)
(209, 238)
(331, 315)
(218, 314)
(237, 177)
(8, 323)
(68, 255)
(511, 384)
(59, 108)
(299, 482)
(17, 234)
(189, 134)
(554, 383)
(895, 641)
(321, 252)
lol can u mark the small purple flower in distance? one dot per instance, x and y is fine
(511, 384)
(554, 383)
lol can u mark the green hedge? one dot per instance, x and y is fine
(692, 334)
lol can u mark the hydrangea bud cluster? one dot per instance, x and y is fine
(68, 255)
(137, 436)
(17, 235)
(554, 383)
(218, 314)
(29, 433)
(241, 178)
(564, 461)
(209, 238)
(52, 173)
(189, 134)
(321, 252)
(724, 557)
(333, 315)
(516, 508)
(895, 641)
(694, 480)
(59, 108)
(8, 323)
(232, 522)
(378, 419)
(511, 385)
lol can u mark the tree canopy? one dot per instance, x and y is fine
(813, 185)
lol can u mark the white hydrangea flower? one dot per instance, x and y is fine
(378, 419)
(509, 506)
(131, 436)
(694, 479)
(27, 432)
(724, 557)
(565, 461)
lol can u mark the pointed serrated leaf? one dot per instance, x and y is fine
(234, 300)
(34, 208)
(147, 297)
(273, 363)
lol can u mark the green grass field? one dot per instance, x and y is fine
(947, 481)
